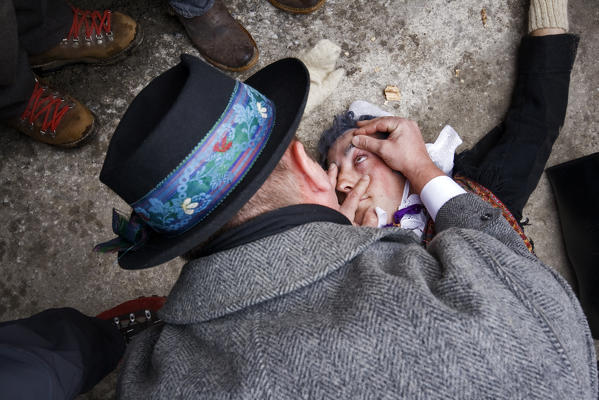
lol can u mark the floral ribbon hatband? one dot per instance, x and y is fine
(211, 170)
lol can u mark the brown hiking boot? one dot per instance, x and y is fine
(55, 118)
(298, 6)
(95, 38)
(222, 41)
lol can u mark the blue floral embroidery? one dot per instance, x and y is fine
(213, 168)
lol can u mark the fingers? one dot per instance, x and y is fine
(366, 122)
(403, 145)
(368, 129)
(332, 174)
(352, 199)
(370, 219)
(368, 143)
(382, 124)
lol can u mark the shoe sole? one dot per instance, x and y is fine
(294, 10)
(252, 62)
(58, 64)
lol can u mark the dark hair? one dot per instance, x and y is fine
(341, 124)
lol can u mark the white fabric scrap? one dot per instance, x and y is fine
(324, 78)
(382, 216)
(361, 107)
(443, 150)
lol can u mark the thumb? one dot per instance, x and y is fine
(368, 143)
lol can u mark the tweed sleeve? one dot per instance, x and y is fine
(470, 212)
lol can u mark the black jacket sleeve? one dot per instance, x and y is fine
(56, 354)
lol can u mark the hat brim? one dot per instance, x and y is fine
(286, 83)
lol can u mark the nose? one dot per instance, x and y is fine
(345, 181)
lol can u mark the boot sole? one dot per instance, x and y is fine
(294, 10)
(249, 65)
(252, 62)
(58, 64)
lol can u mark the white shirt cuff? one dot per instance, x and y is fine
(437, 192)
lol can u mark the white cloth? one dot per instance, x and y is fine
(443, 150)
(413, 222)
(361, 107)
(324, 78)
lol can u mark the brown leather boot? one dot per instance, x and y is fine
(55, 118)
(222, 41)
(95, 38)
(298, 6)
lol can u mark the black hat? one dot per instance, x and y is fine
(193, 148)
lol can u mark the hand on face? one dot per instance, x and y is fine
(348, 165)
(403, 150)
(350, 206)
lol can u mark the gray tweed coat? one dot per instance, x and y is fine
(327, 311)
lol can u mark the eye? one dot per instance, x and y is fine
(359, 159)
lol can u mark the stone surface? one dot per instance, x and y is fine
(54, 209)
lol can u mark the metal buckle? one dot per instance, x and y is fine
(133, 323)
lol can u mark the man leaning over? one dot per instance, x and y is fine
(283, 297)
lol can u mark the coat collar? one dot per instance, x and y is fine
(271, 223)
(231, 280)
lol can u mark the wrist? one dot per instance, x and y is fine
(420, 175)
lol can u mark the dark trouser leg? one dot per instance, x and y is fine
(9, 46)
(57, 353)
(14, 97)
(191, 8)
(510, 159)
(42, 24)
(32, 27)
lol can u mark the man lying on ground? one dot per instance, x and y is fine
(503, 168)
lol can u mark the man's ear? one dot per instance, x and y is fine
(314, 176)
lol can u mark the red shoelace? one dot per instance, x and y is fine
(95, 23)
(47, 105)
